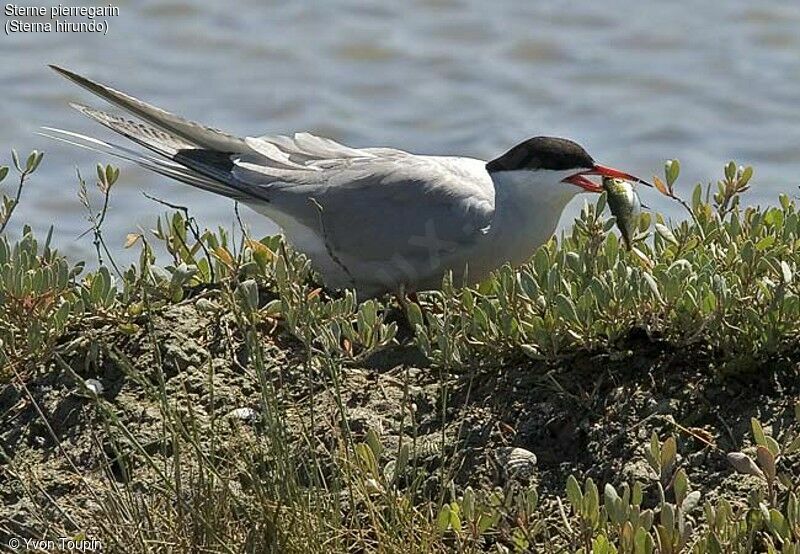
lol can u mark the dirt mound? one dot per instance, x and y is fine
(590, 414)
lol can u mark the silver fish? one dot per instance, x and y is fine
(625, 206)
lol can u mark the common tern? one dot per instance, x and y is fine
(379, 220)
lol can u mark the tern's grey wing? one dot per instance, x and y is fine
(389, 205)
(370, 204)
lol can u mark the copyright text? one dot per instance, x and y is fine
(62, 544)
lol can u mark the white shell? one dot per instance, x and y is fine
(206, 305)
(516, 463)
(243, 414)
(94, 385)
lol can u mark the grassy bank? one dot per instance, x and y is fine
(212, 397)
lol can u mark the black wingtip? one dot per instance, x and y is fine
(68, 74)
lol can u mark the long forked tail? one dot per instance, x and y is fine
(186, 151)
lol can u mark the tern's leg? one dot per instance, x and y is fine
(406, 298)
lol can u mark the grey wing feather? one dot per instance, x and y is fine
(211, 164)
(377, 207)
(309, 152)
(151, 138)
(191, 131)
(163, 167)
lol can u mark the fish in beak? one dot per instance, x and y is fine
(625, 207)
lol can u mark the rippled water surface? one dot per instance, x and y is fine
(634, 82)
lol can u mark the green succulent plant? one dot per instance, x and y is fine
(723, 282)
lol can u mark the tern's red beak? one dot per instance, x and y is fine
(580, 179)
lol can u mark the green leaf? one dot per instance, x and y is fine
(668, 517)
(765, 243)
(778, 524)
(34, 159)
(773, 446)
(697, 197)
(111, 174)
(672, 169)
(610, 495)
(443, 519)
(468, 503)
(574, 494)
(669, 451)
(714, 546)
(374, 442)
(415, 315)
(641, 540)
(364, 452)
(681, 486)
(15, 159)
(653, 286)
(566, 308)
(591, 501)
(637, 494)
(644, 222)
(666, 233)
(600, 545)
(747, 174)
(455, 518)
(247, 290)
(758, 432)
(531, 500)
(654, 453)
(402, 460)
(794, 446)
(487, 521)
(730, 171)
(601, 203)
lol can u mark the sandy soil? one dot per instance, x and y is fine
(590, 414)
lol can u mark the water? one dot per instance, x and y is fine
(705, 82)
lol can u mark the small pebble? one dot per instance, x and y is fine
(243, 414)
(94, 385)
(516, 463)
(206, 305)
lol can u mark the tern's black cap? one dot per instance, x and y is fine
(543, 153)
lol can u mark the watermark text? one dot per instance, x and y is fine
(62, 544)
(58, 18)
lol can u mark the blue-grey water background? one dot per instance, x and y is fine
(635, 83)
